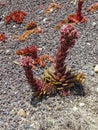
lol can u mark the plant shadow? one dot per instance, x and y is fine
(77, 90)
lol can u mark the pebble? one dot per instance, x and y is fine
(40, 49)
(28, 113)
(82, 104)
(21, 113)
(96, 69)
(1, 23)
(44, 20)
(34, 125)
(94, 24)
(96, 89)
(13, 112)
(49, 108)
(14, 26)
(1, 51)
(92, 73)
(7, 51)
(75, 108)
(1, 123)
(88, 43)
(59, 108)
(31, 126)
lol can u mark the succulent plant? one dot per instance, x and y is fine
(58, 78)
(59, 74)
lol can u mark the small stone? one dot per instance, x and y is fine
(40, 49)
(96, 69)
(7, 51)
(51, 9)
(96, 89)
(48, 108)
(59, 108)
(21, 113)
(1, 123)
(82, 104)
(88, 43)
(71, 2)
(94, 24)
(31, 126)
(28, 113)
(14, 26)
(44, 20)
(15, 62)
(1, 51)
(13, 112)
(2, 22)
(92, 73)
(6, 124)
(75, 108)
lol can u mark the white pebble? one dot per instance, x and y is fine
(14, 26)
(7, 51)
(94, 24)
(82, 104)
(96, 69)
(2, 22)
(44, 20)
(96, 89)
(88, 43)
(40, 49)
(75, 108)
(51, 9)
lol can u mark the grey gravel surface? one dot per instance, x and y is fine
(54, 113)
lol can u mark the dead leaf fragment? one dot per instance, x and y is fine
(31, 25)
(31, 53)
(93, 7)
(15, 16)
(51, 7)
(28, 32)
(2, 37)
(73, 18)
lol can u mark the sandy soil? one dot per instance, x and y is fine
(54, 113)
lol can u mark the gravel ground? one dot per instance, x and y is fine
(54, 113)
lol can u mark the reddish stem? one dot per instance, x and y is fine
(68, 36)
(79, 10)
(36, 84)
